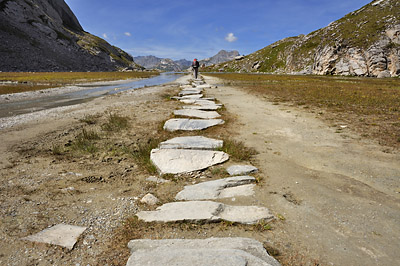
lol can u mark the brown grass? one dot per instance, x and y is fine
(31, 81)
(370, 106)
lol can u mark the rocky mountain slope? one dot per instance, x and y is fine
(220, 57)
(365, 42)
(45, 35)
(164, 64)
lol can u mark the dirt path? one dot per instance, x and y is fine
(339, 196)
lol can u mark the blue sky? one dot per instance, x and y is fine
(187, 29)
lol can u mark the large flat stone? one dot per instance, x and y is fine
(192, 142)
(241, 169)
(191, 124)
(209, 107)
(175, 161)
(216, 189)
(205, 211)
(62, 235)
(198, 101)
(197, 113)
(190, 92)
(196, 252)
(203, 86)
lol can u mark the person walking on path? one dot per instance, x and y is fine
(195, 66)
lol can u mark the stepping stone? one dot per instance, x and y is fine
(205, 211)
(194, 142)
(157, 180)
(175, 161)
(241, 169)
(190, 91)
(62, 235)
(191, 124)
(203, 86)
(198, 101)
(218, 189)
(188, 97)
(196, 252)
(202, 107)
(197, 113)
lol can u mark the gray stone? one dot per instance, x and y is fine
(149, 199)
(192, 96)
(211, 251)
(175, 161)
(241, 169)
(62, 235)
(192, 142)
(203, 86)
(157, 180)
(198, 101)
(191, 124)
(209, 107)
(190, 92)
(197, 113)
(217, 189)
(205, 211)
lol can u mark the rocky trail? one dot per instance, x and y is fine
(320, 197)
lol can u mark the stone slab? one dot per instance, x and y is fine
(210, 251)
(241, 169)
(197, 113)
(209, 107)
(203, 86)
(198, 101)
(217, 189)
(192, 142)
(191, 124)
(190, 92)
(62, 235)
(175, 161)
(205, 211)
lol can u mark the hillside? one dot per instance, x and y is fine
(365, 42)
(45, 35)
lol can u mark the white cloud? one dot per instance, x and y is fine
(105, 36)
(231, 37)
(128, 34)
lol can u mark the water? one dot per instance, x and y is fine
(81, 96)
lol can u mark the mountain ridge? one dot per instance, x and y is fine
(45, 35)
(365, 42)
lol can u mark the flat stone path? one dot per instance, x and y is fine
(192, 143)
(175, 161)
(191, 124)
(197, 113)
(218, 189)
(199, 252)
(205, 211)
(241, 169)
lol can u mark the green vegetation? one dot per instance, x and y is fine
(31, 81)
(237, 150)
(371, 105)
(115, 123)
(141, 155)
(86, 141)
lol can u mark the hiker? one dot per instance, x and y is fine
(195, 66)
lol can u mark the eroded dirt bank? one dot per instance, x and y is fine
(339, 195)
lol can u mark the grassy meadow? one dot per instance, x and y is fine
(368, 105)
(13, 82)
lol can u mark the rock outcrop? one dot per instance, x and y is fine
(363, 43)
(45, 35)
(220, 57)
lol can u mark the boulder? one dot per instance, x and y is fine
(149, 199)
(175, 161)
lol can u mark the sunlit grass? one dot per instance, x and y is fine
(13, 82)
(376, 102)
